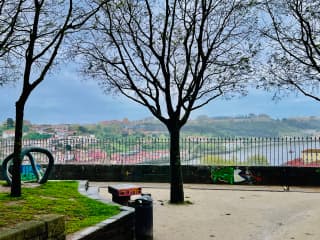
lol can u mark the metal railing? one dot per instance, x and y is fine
(293, 151)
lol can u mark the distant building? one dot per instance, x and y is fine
(196, 138)
(311, 155)
(105, 123)
(8, 134)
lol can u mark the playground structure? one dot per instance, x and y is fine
(32, 170)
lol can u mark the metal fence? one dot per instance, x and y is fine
(296, 151)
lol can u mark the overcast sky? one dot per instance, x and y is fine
(64, 98)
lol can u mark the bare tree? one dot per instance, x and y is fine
(293, 34)
(172, 57)
(9, 13)
(43, 25)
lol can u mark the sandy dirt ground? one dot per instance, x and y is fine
(227, 212)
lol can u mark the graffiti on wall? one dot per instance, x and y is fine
(27, 173)
(233, 175)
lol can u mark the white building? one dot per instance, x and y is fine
(8, 134)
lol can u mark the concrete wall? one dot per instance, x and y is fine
(52, 227)
(48, 227)
(191, 174)
(119, 227)
(131, 173)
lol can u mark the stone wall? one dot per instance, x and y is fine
(47, 227)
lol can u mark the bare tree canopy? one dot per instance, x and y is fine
(42, 24)
(172, 56)
(9, 13)
(293, 31)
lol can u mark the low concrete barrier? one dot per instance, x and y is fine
(300, 176)
(51, 227)
(118, 227)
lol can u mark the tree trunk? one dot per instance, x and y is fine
(16, 175)
(176, 190)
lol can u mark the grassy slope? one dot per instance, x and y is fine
(54, 197)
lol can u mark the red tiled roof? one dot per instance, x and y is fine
(298, 162)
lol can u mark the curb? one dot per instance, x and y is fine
(111, 228)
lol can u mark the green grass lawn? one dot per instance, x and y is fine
(56, 197)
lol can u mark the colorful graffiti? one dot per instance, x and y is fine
(233, 175)
(27, 173)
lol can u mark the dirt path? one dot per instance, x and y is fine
(235, 212)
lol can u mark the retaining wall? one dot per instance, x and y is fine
(118, 227)
(191, 174)
(47, 227)
(301, 176)
(52, 227)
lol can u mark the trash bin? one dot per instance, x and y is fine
(143, 217)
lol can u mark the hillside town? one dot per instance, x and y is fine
(146, 141)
